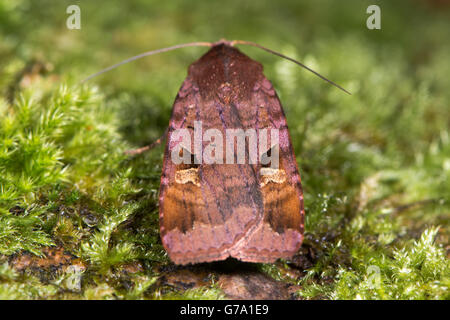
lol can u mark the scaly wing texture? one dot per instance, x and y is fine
(211, 212)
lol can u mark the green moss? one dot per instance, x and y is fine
(194, 294)
(417, 271)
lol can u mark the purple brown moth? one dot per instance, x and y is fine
(225, 194)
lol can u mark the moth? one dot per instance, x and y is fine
(212, 208)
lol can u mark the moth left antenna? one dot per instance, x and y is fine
(290, 59)
(149, 53)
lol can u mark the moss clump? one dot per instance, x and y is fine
(65, 181)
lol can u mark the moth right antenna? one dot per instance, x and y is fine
(290, 59)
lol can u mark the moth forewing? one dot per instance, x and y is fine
(248, 210)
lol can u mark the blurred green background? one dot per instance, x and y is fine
(375, 165)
